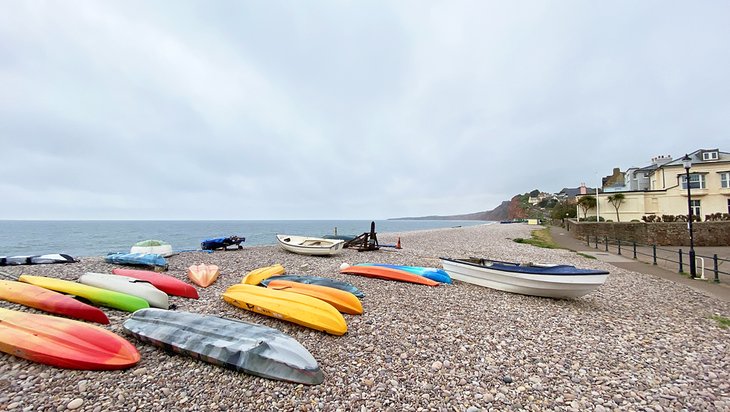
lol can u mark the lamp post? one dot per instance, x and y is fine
(687, 162)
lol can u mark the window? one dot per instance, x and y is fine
(695, 205)
(696, 181)
(725, 180)
(710, 156)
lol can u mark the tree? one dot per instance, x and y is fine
(617, 200)
(586, 203)
(562, 210)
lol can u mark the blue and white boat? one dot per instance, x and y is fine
(552, 281)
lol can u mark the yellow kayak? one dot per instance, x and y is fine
(97, 296)
(289, 306)
(255, 276)
(343, 301)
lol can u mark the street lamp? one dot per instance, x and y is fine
(687, 162)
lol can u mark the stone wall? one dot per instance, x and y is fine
(661, 234)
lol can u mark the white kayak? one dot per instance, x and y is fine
(130, 286)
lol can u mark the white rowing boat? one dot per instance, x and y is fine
(315, 246)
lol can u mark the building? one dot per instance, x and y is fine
(661, 188)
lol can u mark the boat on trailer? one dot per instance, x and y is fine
(314, 246)
(546, 280)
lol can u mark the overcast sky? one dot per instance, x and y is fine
(342, 109)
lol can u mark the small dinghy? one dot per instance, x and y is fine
(313, 246)
(552, 281)
(158, 247)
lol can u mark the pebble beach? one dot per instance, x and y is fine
(638, 343)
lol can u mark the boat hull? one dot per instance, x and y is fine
(49, 301)
(386, 273)
(97, 296)
(168, 284)
(64, 343)
(343, 301)
(255, 276)
(318, 280)
(313, 246)
(561, 286)
(292, 307)
(128, 285)
(233, 344)
(203, 275)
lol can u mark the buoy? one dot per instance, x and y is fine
(397, 245)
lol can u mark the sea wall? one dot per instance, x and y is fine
(661, 233)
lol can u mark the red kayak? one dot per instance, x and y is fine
(64, 343)
(165, 283)
(386, 273)
(49, 301)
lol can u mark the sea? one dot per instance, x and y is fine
(80, 238)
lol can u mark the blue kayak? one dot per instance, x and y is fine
(150, 260)
(435, 274)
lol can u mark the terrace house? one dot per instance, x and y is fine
(661, 188)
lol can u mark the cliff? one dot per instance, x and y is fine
(509, 209)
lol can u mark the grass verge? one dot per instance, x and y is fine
(722, 321)
(540, 238)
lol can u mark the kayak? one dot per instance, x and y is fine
(64, 343)
(318, 280)
(49, 301)
(150, 260)
(97, 296)
(130, 286)
(255, 276)
(291, 307)
(343, 301)
(165, 283)
(36, 259)
(203, 275)
(379, 272)
(439, 275)
(234, 344)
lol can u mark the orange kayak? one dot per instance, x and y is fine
(64, 343)
(49, 301)
(343, 301)
(386, 273)
(203, 275)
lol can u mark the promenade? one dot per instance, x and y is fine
(664, 268)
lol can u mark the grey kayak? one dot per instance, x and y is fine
(234, 344)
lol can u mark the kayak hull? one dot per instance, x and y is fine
(203, 275)
(343, 301)
(49, 301)
(97, 296)
(165, 283)
(385, 273)
(318, 280)
(255, 276)
(130, 286)
(64, 343)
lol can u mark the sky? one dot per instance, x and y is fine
(343, 109)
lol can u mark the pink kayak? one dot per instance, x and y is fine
(165, 283)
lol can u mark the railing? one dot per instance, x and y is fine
(655, 254)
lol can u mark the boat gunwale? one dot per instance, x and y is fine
(585, 272)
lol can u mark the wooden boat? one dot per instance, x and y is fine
(386, 273)
(49, 301)
(64, 343)
(318, 280)
(552, 281)
(289, 306)
(97, 296)
(255, 276)
(203, 275)
(234, 344)
(130, 286)
(158, 247)
(314, 246)
(343, 301)
(168, 284)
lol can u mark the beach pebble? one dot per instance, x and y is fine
(75, 404)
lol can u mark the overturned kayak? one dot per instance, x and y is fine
(64, 343)
(49, 301)
(128, 285)
(385, 273)
(343, 301)
(439, 275)
(166, 283)
(318, 280)
(97, 296)
(149, 260)
(291, 307)
(255, 276)
(37, 259)
(242, 346)
(157, 247)
(203, 275)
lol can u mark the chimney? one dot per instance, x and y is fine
(583, 189)
(661, 159)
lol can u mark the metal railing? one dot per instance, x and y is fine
(655, 254)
